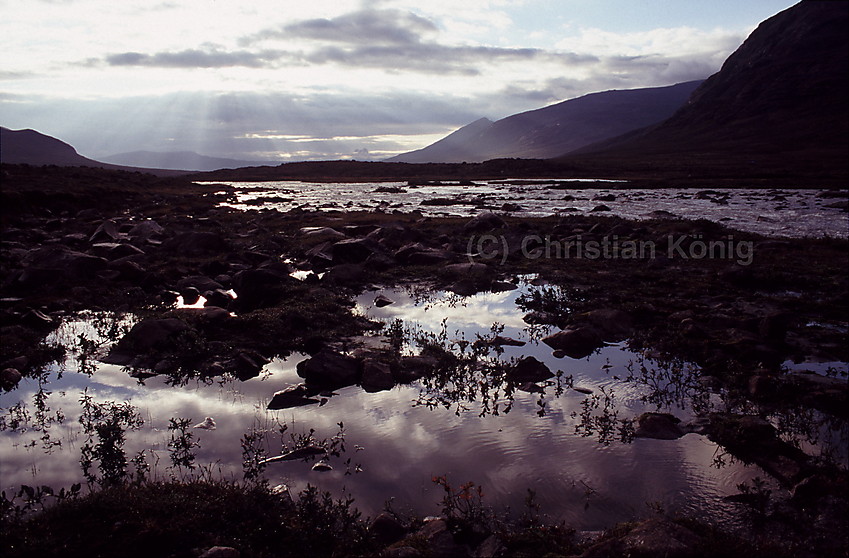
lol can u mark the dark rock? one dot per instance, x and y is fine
(354, 250)
(511, 207)
(377, 376)
(402, 552)
(150, 333)
(577, 342)
(439, 540)
(329, 368)
(600, 207)
(483, 222)
(655, 538)
(54, 263)
(501, 286)
(196, 243)
(37, 319)
(221, 552)
(604, 197)
(659, 426)
(293, 396)
(145, 230)
(380, 301)
(529, 369)
(491, 547)
(322, 234)
(386, 529)
(414, 367)
(466, 269)
(9, 378)
(200, 282)
(613, 325)
(190, 295)
(106, 231)
(345, 274)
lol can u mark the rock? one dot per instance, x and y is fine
(196, 243)
(604, 197)
(483, 222)
(600, 207)
(377, 376)
(329, 368)
(381, 300)
(300, 453)
(54, 263)
(145, 230)
(656, 538)
(354, 250)
(386, 529)
(577, 342)
(491, 547)
(149, 333)
(190, 295)
(418, 254)
(466, 269)
(322, 467)
(511, 207)
(322, 234)
(293, 396)
(439, 540)
(502, 286)
(221, 552)
(345, 274)
(9, 378)
(37, 319)
(529, 369)
(414, 367)
(613, 325)
(402, 552)
(106, 231)
(200, 282)
(207, 424)
(659, 426)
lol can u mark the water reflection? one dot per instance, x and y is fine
(569, 437)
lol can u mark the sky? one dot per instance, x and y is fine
(335, 79)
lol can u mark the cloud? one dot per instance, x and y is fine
(195, 58)
(386, 27)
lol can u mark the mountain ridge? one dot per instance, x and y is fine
(555, 129)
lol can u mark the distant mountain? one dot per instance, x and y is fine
(180, 160)
(779, 105)
(556, 129)
(33, 148)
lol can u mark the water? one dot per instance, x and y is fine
(553, 442)
(775, 212)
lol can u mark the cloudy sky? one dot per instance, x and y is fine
(327, 79)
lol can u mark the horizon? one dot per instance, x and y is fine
(350, 80)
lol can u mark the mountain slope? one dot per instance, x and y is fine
(179, 160)
(556, 129)
(28, 147)
(777, 106)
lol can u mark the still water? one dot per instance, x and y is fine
(552, 442)
(775, 212)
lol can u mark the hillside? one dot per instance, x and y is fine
(777, 107)
(556, 129)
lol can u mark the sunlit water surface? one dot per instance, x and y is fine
(774, 212)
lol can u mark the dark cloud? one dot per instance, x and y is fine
(195, 58)
(387, 27)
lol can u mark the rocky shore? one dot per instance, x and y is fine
(274, 283)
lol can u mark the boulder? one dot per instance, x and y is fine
(414, 367)
(377, 376)
(439, 541)
(461, 270)
(221, 552)
(345, 274)
(196, 243)
(658, 537)
(381, 300)
(578, 342)
(9, 378)
(483, 222)
(146, 335)
(386, 529)
(293, 396)
(659, 426)
(529, 369)
(613, 325)
(354, 250)
(329, 368)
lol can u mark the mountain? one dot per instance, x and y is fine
(777, 107)
(33, 148)
(179, 160)
(556, 129)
